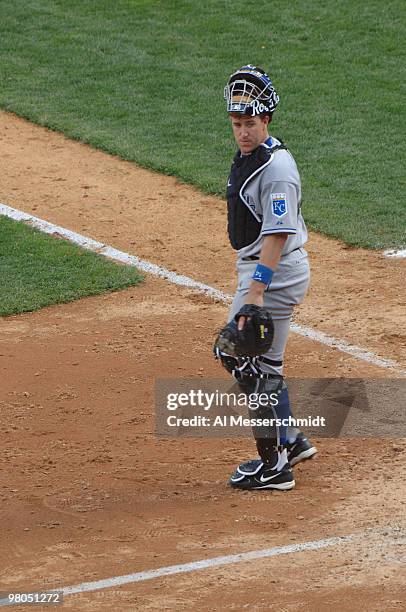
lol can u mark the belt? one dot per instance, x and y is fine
(256, 257)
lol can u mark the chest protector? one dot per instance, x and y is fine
(242, 223)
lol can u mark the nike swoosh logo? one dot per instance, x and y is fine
(262, 479)
(228, 184)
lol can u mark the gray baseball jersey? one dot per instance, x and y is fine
(274, 197)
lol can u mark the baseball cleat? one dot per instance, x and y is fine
(300, 449)
(258, 475)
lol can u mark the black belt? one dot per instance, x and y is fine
(256, 257)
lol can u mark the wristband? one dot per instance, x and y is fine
(263, 274)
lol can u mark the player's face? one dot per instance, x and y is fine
(249, 132)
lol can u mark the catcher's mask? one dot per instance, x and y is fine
(249, 91)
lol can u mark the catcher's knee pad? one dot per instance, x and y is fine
(238, 368)
(227, 361)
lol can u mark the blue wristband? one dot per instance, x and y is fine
(263, 274)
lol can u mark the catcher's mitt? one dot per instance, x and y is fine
(254, 339)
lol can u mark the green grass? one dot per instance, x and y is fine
(143, 79)
(37, 270)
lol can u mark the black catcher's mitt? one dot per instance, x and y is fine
(254, 339)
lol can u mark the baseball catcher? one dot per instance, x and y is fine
(267, 231)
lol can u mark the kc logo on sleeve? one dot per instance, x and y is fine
(279, 204)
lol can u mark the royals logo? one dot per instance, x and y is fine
(279, 204)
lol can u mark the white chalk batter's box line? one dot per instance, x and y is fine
(185, 281)
(117, 581)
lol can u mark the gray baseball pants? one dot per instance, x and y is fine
(288, 288)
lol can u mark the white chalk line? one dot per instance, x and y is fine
(395, 253)
(112, 253)
(185, 281)
(213, 562)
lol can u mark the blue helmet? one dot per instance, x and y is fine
(249, 91)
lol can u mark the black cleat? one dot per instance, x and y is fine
(258, 475)
(300, 449)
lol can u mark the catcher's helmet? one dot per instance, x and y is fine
(249, 91)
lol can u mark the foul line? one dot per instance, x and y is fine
(197, 565)
(185, 281)
(395, 253)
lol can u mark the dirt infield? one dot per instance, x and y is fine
(87, 491)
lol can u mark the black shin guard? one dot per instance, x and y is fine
(267, 436)
(267, 448)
